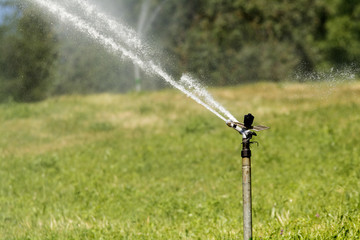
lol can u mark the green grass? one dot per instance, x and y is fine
(159, 166)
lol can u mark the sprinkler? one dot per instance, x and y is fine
(246, 130)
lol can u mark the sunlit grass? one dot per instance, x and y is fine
(159, 166)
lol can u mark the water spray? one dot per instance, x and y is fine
(113, 35)
(119, 33)
(246, 130)
(113, 46)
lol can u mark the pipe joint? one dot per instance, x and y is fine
(246, 152)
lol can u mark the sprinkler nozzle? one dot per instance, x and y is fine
(235, 125)
(229, 122)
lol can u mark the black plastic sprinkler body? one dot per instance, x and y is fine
(245, 130)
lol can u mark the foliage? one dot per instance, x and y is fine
(158, 166)
(221, 42)
(27, 58)
(342, 42)
(232, 42)
(237, 41)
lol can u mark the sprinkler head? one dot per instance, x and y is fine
(244, 128)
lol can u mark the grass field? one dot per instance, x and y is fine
(159, 166)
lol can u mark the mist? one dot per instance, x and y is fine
(97, 70)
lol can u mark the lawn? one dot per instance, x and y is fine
(159, 166)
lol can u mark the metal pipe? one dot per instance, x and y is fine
(244, 130)
(246, 183)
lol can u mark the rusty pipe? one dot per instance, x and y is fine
(246, 188)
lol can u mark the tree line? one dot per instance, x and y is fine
(222, 42)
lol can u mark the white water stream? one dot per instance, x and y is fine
(113, 35)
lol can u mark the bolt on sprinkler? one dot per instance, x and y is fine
(245, 129)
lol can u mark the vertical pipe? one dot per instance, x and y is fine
(246, 184)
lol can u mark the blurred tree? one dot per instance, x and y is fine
(238, 41)
(342, 42)
(230, 42)
(224, 42)
(28, 53)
